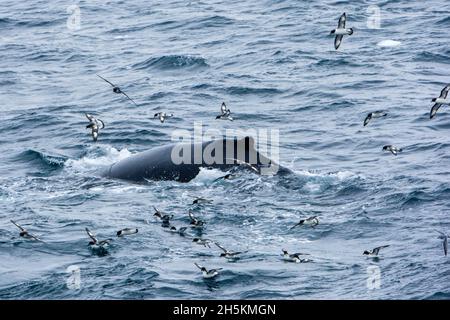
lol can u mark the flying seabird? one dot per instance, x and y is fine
(116, 89)
(340, 31)
(440, 101)
(373, 115)
(225, 113)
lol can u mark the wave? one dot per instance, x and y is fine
(445, 21)
(317, 182)
(172, 62)
(7, 22)
(442, 56)
(211, 22)
(252, 91)
(40, 158)
(336, 63)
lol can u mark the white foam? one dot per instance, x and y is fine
(340, 175)
(389, 43)
(98, 158)
(208, 175)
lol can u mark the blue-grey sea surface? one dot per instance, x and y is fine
(275, 66)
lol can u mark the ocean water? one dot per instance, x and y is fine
(274, 64)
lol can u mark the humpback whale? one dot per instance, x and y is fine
(182, 161)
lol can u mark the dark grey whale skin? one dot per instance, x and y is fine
(156, 164)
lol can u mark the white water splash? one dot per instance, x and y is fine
(389, 43)
(105, 156)
(207, 176)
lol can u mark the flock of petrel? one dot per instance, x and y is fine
(101, 246)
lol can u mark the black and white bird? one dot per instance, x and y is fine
(203, 242)
(127, 232)
(340, 31)
(440, 101)
(201, 201)
(225, 113)
(24, 232)
(393, 149)
(96, 244)
(227, 253)
(116, 89)
(373, 115)
(444, 238)
(311, 221)
(228, 176)
(208, 274)
(374, 252)
(94, 125)
(162, 116)
(161, 215)
(181, 231)
(294, 257)
(194, 221)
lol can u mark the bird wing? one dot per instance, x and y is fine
(89, 117)
(434, 110)
(112, 84)
(222, 248)
(337, 41)
(301, 254)
(91, 235)
(129, 98)
(34, 237)
(223, 108)
(342, 20)
(442, 234)
(445, 245)
(444, 92)
(367, 119)
(377, 249)
(294, 226)
(18, 226)
(106, 241)
(198, 266)
(103, 124)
